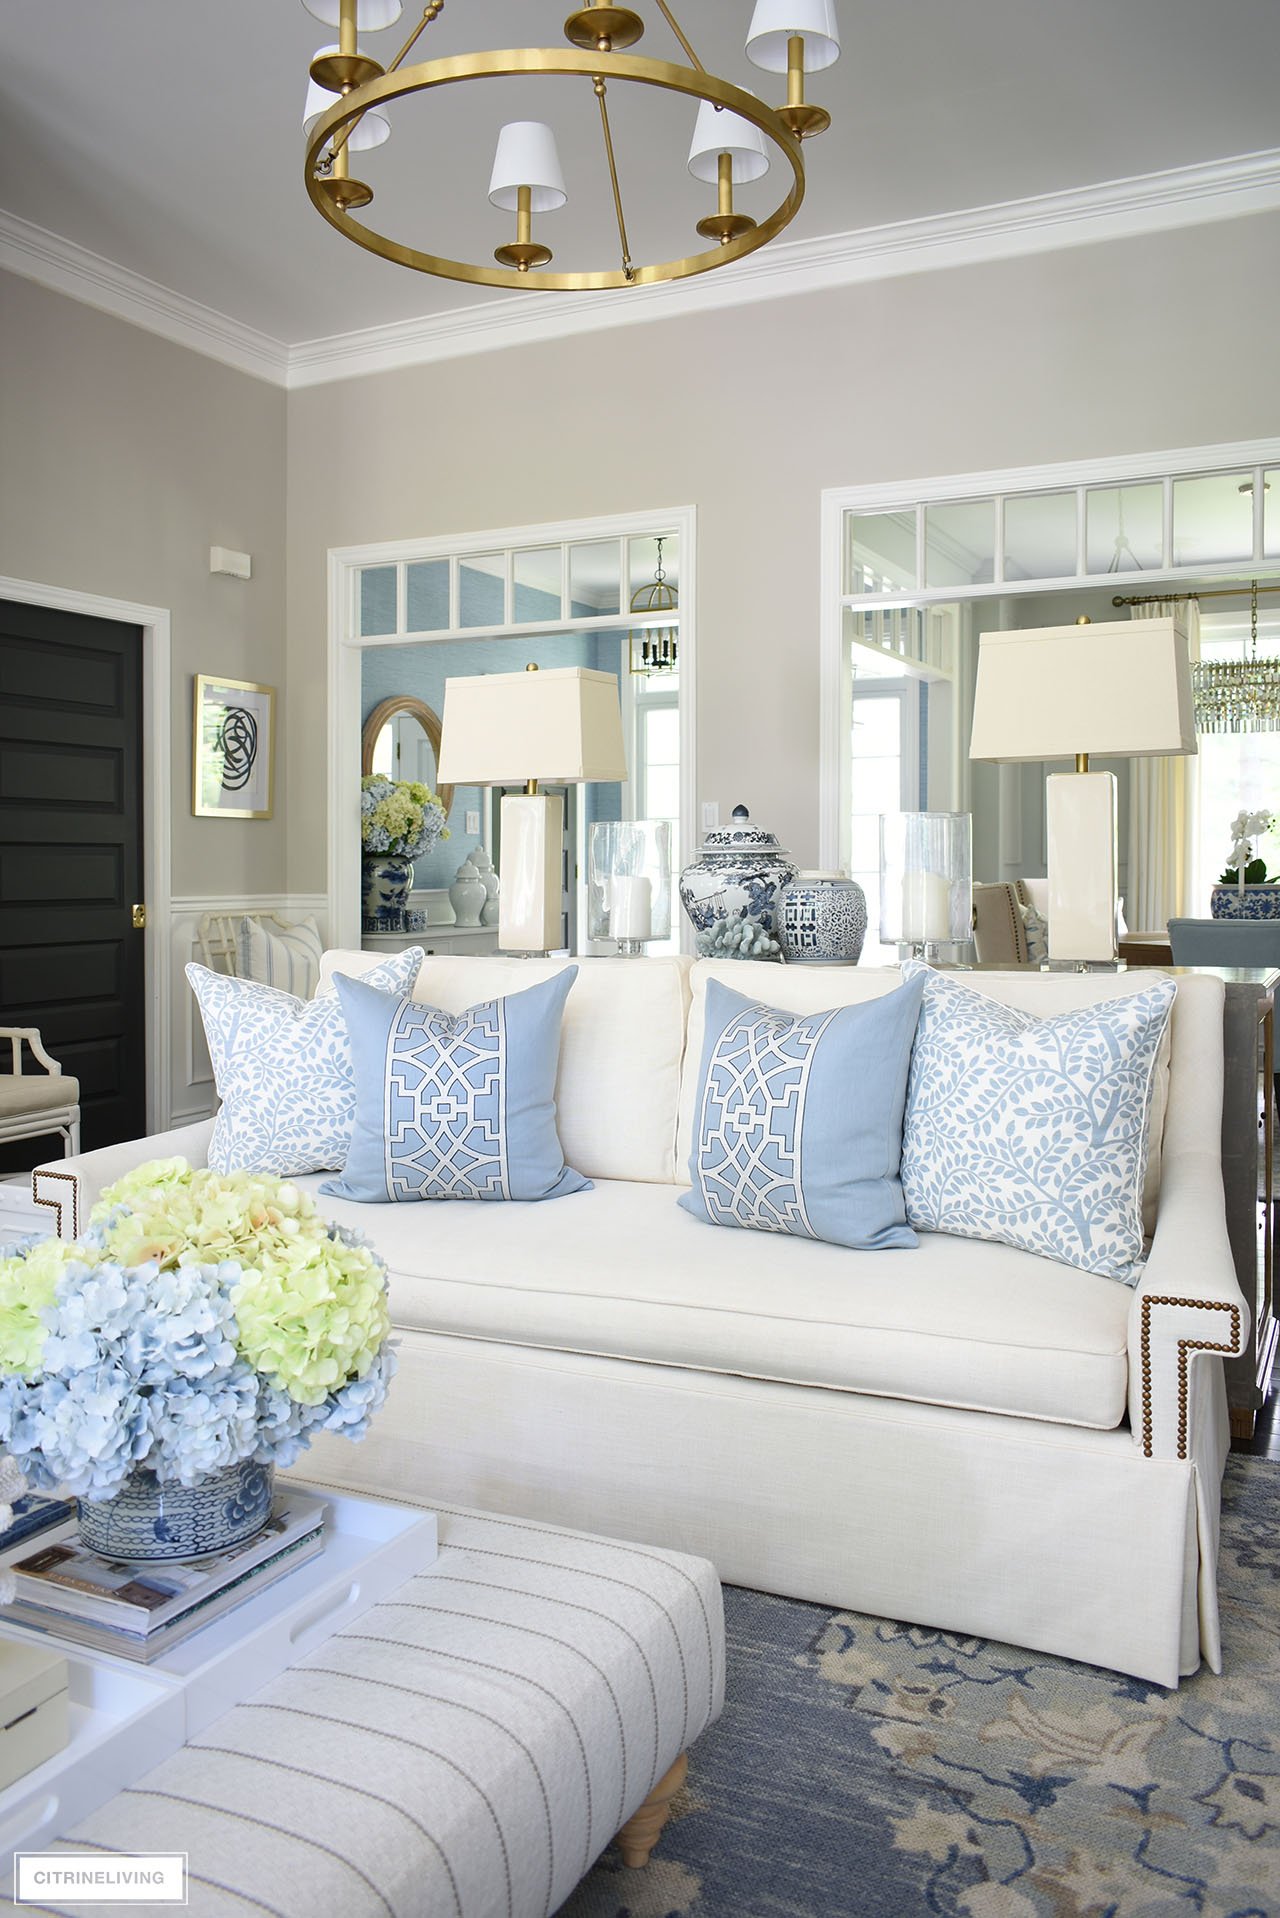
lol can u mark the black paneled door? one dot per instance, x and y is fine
(71, 959)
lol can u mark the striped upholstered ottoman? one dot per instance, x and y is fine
(468, 1748)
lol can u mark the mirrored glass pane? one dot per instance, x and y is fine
(427, 596)
(1271, 515)
(1212, 518)
(377, 599)
(880, 552)
(960, 543)
(1124, 528)
(535, 583)
(594, 578)
(642, 564)
(481, 593)
(1040, 536)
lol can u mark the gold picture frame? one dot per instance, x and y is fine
(233, 748)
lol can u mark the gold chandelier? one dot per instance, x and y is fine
(347, 112)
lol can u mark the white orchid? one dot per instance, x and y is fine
(1245, 828)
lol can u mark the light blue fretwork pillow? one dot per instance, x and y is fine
(798, 1123)
(1033, 1132)
(455, 1107)
(283, 1070)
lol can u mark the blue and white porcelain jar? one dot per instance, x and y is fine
(1245, 902)
(821, 920)
(146, 1519)
(739, 870)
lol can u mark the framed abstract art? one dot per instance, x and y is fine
(232, 748)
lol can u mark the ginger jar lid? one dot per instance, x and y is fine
(741, 836)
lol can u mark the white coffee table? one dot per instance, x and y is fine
(470, 1745)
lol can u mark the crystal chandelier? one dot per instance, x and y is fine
(1238, 695)
(734, 133)
(655, 649)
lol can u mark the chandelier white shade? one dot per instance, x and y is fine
(526, 157)
(371, 15)
(369, 131)
(718, 131)
(776, 22)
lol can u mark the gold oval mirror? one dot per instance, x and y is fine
(403, 753)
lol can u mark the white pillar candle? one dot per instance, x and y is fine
(926, 909)
(631, 907)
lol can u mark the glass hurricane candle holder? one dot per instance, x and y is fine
(629, 882)
(926, 880)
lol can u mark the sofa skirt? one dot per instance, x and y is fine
(1058, 1538)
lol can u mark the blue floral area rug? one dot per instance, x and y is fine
(882, 1771)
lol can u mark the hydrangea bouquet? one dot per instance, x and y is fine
(201, 1321)
(400, 816)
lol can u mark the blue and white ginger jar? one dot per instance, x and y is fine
(822, 920)
(740, 869)
(147, 1519)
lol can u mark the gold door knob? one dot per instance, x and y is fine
(140, 918)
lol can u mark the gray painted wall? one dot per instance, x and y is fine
(747, 414)
(125, 459)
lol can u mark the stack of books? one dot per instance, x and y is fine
(140, 1608)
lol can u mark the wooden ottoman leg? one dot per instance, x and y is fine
(642, 1830)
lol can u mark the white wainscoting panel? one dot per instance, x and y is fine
(191, 1090)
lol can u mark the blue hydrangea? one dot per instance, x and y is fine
(85, 1433)
(349, 1409)
(199, 1427)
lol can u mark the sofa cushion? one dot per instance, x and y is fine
(1033, 1131)
(283, 1069)
(455, 1107)
(621, 1044)
(812, 988)
(800, 1118)
(622, 1271)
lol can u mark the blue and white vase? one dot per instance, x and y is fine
(388, 880)
(1245, 902)
(821, 920)
(739, 871)
(147, 1519)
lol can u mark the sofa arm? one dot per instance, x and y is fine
(70, 1187)
(1186, 1302)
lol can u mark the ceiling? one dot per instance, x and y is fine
(166, 136)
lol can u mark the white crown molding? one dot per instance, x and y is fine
(67, 268)
(1113, 210)
(1116, 209)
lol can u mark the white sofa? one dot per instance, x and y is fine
(964, 1436)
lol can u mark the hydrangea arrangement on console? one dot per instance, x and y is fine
(197, 1334)
(399, 816)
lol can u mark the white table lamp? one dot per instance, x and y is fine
(1121, 688)
(561, 727)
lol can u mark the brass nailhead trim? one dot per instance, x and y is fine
(1185, 1348)
(57, 1205)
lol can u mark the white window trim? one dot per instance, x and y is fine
(346, 646)
(891, 496)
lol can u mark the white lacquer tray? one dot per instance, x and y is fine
(126, 1718)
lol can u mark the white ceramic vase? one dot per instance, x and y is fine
(467, 895)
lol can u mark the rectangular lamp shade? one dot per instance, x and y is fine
(1120, 688)
(561, 726)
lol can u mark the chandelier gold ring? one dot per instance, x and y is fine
(570, 62)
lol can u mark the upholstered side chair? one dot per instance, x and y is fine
(34, 1104)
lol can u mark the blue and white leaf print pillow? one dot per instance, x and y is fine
(283, 1070)
(1033, 1132)
(455, 1107)
(799, 1118)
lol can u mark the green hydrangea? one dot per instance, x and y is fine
(27, 1285)
(312, 1315)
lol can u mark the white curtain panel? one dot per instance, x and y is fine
(1160, 813)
